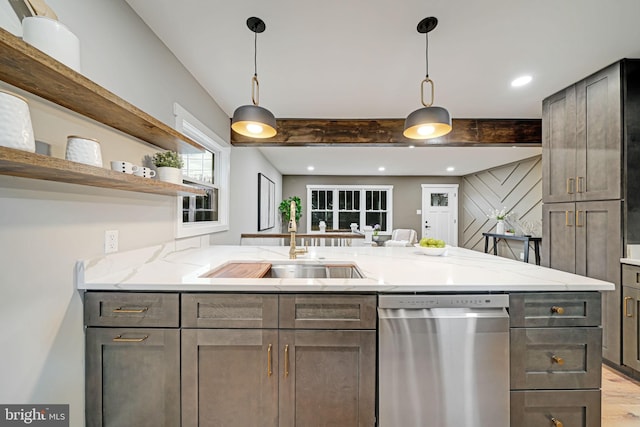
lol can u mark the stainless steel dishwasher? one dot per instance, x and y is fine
(443, 361)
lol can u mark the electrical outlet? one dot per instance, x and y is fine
(522, 256)
(110, 241)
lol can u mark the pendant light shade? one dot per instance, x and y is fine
(428, 122)
(252, 120)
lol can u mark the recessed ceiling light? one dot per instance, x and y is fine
(450, 169)
(412, 146)
(310, 168)
(381, 168)
(521, 81)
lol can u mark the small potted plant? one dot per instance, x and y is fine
(169, 166)
(376, 231)
(285, 210)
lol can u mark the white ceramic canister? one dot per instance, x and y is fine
(167, 174)
(16, 130)
(53, 38)
(83, 150)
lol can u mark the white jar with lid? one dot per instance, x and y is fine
(16, 130)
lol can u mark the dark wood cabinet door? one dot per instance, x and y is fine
(599, 136)
(598, 253)
(327, 378)
(229, 377)
(631, 327)
(558, 236)
(559, 146)
(132, 377)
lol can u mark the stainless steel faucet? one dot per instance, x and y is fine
(292, 228)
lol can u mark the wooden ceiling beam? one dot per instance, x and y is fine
(388, 132)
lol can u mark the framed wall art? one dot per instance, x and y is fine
(266, 203)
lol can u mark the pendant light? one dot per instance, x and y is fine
(428, 122)
(252, 120)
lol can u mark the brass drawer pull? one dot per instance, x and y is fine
(269, 371)
(557, 310)
(627, 312)
(578, 219)
(130, 309)
(557, 359)
(119, 338)
(567, 215)
(569, 185)
(556, 422)
(286, 360)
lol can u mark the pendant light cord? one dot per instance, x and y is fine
(255, 53)
(426, 54)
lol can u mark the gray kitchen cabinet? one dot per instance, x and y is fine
(584, 238)
(630, 316)
(556, 358)
(581, 140)
(133, 370)
(282, 360)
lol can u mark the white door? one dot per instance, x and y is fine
(440, 212)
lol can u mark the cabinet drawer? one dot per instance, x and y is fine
(556, 358)
(328, 311)
(554, 309)
(575, 408)
(229, 311)
(631, 276)
(131, 309)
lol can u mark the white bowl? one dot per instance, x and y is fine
(53, 38)
(83, 150)
(431, 251)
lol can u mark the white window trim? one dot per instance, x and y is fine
(190, 126)
(388, 188)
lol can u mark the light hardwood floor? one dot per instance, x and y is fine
(620, 400)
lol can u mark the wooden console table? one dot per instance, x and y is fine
(525, 239)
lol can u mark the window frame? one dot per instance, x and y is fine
(363, 210)
(191, 127)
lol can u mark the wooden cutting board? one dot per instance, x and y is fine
(240, 270)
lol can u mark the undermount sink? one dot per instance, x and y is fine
(314, 271)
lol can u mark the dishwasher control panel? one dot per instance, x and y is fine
(443, 301)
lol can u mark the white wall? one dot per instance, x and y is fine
(45, 226)
(246, 163)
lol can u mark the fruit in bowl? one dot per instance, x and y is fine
(430, 246)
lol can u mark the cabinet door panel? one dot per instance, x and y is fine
(559, 146)
(327, 311)
(598, 253)
(631, 328)
(577, 408)
(558, 236)
(132, 377)
(215, 310)
(226, 380)
(599, 136)
(327, 378)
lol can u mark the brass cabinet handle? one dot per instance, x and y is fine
(119, 338)
(557, 359)
(557, 310)
(286, 360)
(130, 309)
(569, 185)
(578, 219)
(627, 312)
(269, 371)
(556, 422)
(567, 215)
(580, 182)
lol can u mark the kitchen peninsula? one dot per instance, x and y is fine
(158, 328)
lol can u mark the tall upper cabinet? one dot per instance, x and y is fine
(591, 171)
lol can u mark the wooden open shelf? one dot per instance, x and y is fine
(30, 165)
(28, 68)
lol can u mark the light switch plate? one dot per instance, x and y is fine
(418, 212)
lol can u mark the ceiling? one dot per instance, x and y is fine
(357, 59)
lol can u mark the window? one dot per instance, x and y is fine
(355, 204)
(209, 170)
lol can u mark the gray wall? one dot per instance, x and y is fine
(407, 193)
(517, 186)
(45, 226)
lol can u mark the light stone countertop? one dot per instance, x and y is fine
(176, 266)
(630, 261)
